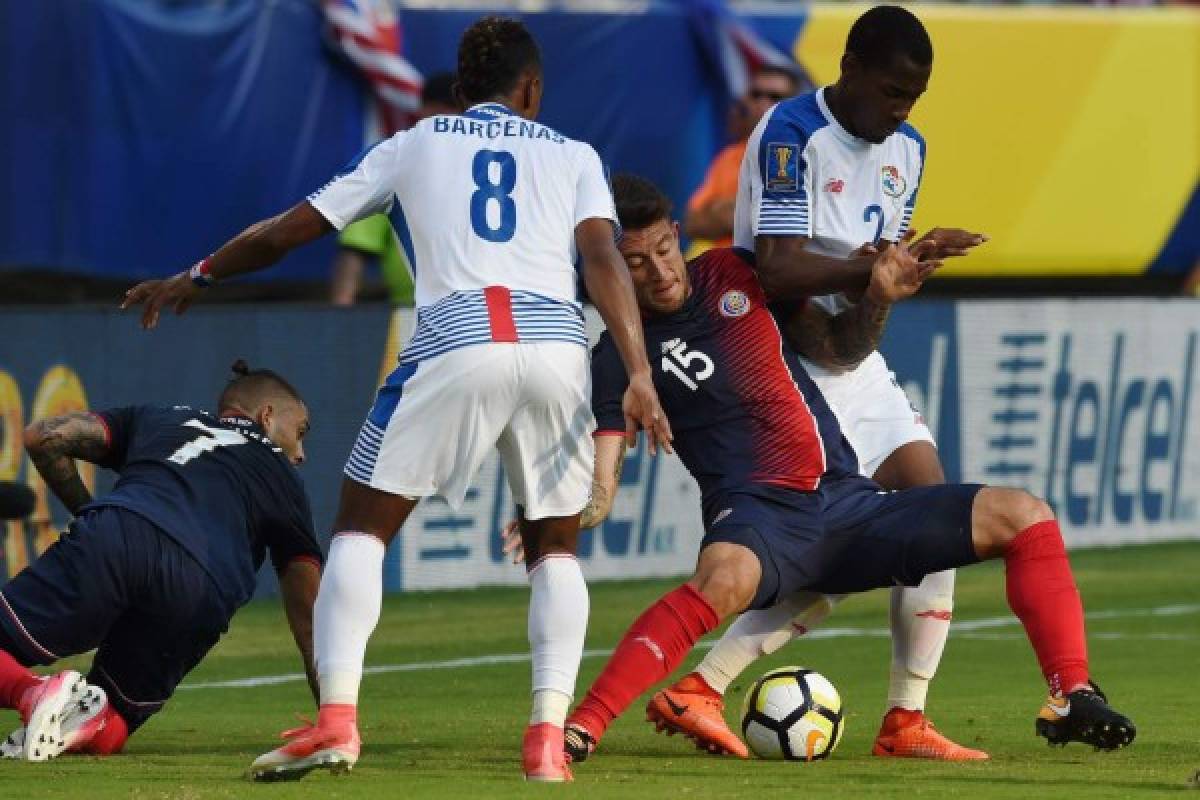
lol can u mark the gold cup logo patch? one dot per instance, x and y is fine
(782, 156)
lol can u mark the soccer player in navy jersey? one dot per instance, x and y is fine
(152, 572)
(831, 176)
(784, 506)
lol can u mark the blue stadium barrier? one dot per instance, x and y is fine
(1089, 404)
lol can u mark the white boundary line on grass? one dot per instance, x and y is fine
(971, 628)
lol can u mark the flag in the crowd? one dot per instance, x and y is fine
(367, 33)
(738, 51)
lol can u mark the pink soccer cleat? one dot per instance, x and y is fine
(542, 754)
(333, 746)
(86, 714)
(43, 707)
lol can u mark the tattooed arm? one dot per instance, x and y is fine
(842, 341)
(610, 458)
(53, 445)
(837, 342)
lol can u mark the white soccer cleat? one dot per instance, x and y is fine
(48, 704)
(84, 717)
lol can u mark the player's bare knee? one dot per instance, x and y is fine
(1000, 515)
(726, 590)
(727, 576)
(1032, 510)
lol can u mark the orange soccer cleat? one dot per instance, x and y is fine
(910, 734)
(693, 708)
(542, 755)
(333, 745)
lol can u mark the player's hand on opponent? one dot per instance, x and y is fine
(943, 243)
(642, 410)
(512, 541)
(899, 271)
(177, 291)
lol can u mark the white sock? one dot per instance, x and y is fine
(346, 612)
(920, 617)
(549, 705)
(558, 616)
(757, 633)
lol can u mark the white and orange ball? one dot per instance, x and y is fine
(792, 713)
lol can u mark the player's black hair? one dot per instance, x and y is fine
(639, 202)
(439, 88)
(491, 57)
(882, 34)
(247, 388)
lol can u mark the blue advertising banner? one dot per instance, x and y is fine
(141, 134)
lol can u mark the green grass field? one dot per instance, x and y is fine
(455, 731)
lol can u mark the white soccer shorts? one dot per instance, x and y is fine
(874, 412)
(434, 423)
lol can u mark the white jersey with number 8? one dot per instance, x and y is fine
(485, 205)
(485, 199)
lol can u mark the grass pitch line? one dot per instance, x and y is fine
(974, 628)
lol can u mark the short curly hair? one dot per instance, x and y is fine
(491, 57)
(639, 202)
(886, 32)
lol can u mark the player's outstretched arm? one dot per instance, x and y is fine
(611, 289)
(298, 584)
(255, 248)
(53, 445)
(610, 459)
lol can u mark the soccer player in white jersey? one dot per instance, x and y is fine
(493, 209)
(823, 173)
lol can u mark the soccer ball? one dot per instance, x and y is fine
(792, 713)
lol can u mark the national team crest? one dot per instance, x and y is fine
(734, 303)
(783, 167)
(893, 182)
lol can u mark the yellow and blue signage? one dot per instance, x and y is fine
(1071, 136)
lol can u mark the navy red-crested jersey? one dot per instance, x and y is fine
(217, 486)
(744, 412)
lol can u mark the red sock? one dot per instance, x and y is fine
(651, 650)
(1042, 593)
(111, 738)
(15, 680)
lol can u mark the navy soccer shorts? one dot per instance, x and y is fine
(851, 536)
(115, 582)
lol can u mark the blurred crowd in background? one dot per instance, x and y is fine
(140, 135)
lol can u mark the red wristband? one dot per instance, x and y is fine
(201, 274)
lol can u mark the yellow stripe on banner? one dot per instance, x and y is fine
(1070, 135)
